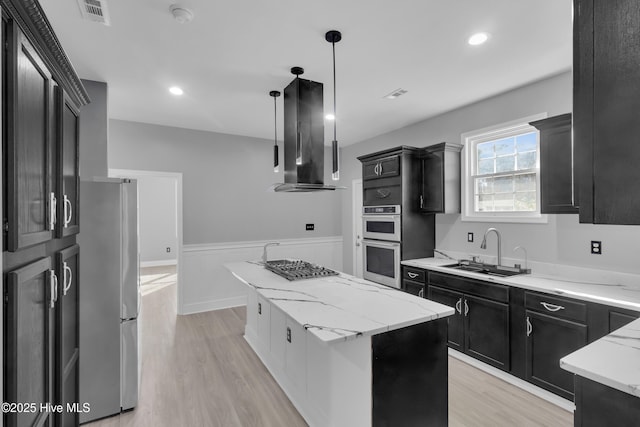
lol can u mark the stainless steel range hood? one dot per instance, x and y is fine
(303, 137)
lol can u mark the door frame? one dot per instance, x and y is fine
(133, 173)
(356, 196)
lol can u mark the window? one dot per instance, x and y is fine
(501, 173)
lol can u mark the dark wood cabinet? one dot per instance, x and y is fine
(392, 177)
(455, 333)
(558, 189)
(598, 405)
(30, 199)
(487, 330)
(413, 281)
(606, 98)
(29, 356)
(68, 164)
(480, 326)
(381, 168)
(40, 98)
(67, 337)
(440, 178)
(556, 327)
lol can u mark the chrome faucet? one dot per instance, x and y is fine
(483, 245)
(264, 250)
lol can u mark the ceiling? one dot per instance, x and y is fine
(234, 52)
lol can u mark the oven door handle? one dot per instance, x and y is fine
(382, 244)
(369, 217)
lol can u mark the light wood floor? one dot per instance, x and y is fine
(197, 370)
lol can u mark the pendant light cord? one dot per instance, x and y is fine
(275, 122)
(334, 91)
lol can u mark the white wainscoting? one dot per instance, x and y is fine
(207, 285)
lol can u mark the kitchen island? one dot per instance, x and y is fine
(347, 351)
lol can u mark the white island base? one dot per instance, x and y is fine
(322, 342)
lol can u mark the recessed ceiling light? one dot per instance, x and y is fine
(330, 117)
(176, 90)
(478, 39)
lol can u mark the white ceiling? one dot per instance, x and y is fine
(234, 52)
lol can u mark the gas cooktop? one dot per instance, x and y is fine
(298, 269)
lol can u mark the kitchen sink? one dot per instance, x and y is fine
(488, 269)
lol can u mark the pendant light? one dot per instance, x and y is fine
(276, 168)
(334, 37)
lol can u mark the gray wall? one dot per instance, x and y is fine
(562, 240)
(158, 216)
(225, 181)
(94, 131)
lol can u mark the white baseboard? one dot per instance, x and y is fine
(159, 263)
(199, 307)
(207, 285)
(565, 404)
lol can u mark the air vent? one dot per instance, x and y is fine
(95, 11)
(396, 93)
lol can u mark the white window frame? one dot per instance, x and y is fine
(469, 140)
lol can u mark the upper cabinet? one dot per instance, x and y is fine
(558, 190)
(391, 177)
(606, 101)
(440, 166)
(381, 168)
(30, 197)
(68, 162)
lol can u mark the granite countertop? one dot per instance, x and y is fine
(339, 308)
(611, 292)
(613, 360)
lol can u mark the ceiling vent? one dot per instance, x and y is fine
(95, 11)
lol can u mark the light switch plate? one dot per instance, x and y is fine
(470, 237)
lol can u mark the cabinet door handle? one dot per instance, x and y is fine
(67, 213)
(53, 205)
(259, 308)
(529, 326)
(412, 275)
(53, 283)
(421, 201)
(551, 307)
(466, 308)
(288, 334)
(421, 293)
(375, 168)
(380, 169)
(459, 306)
(67, 278)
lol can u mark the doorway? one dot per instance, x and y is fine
(160, 228)
(358, 256)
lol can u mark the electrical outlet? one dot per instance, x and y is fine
(168, 249)
(596, 247)
(310, 227)
(470, 237)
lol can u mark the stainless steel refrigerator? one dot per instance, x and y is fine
(109, 297)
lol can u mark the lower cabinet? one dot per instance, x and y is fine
(479, 327)
(549, 339)
(29, 345)
(487, 330)
(67, 348)
(523, 332)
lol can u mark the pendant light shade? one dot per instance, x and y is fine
(334, 37)
(276, 164)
